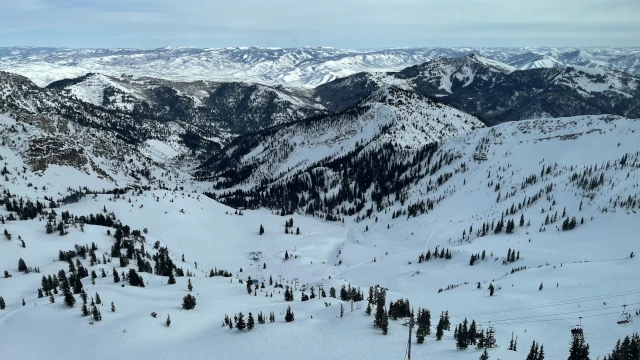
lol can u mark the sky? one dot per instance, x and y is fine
(353, 24)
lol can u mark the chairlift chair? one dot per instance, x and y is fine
(625, 318)
(577, 329)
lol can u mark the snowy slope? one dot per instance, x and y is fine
(585, 271)
(390, 116)
(217, 109)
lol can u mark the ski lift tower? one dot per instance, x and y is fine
(410, 323)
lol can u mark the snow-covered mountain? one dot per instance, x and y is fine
(219, 110)
(294, 67)
(497, 92)
(389, 117)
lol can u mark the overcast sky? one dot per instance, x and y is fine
(337, 23)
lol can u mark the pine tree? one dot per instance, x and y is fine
(541, 353)
(188, 302)
(533, 351)
(421, 332)
(95, 314)
(471, 334)
(289, 317)
(240, 324)
(440, 328)
(579, 349)
(341, 310)
(189, 286)
(385, 323)
(261, 229)
(332, 292)
(51, 299)
(84, 310)
(113, 307)
(485, 355)
(22, 266)
(2, 303)
(69, 300)
(116, 277)
(168, 321)
(172, 279)
(491, 289)
(250, 323)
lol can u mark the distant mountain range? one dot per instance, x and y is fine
(498, 92)
(296, 67)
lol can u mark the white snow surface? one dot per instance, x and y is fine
(586, 271)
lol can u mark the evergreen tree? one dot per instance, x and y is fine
(421, 332)
(533, 351)
(22, 266)
(113, 307)
(168, 321)
(2, 303)
(98, 300)
(240, 324)
(472, 333)
(332, 292)
(289, 317)
(95, 314)
(341, 310)
(261, 229)
(84, 310)
(69, 300)
(40, 295)
(250, 323)
(189, 286)
(485, 355)
(385, 323)
(51, 299)
(188, 302)
(491, 289)
(579, 349)
(116, 277)
(440, 328)
(541, 353)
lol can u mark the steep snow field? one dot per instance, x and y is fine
(585, 271)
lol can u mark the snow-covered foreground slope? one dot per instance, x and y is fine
(585, 271)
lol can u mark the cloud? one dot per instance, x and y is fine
(339, 23)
